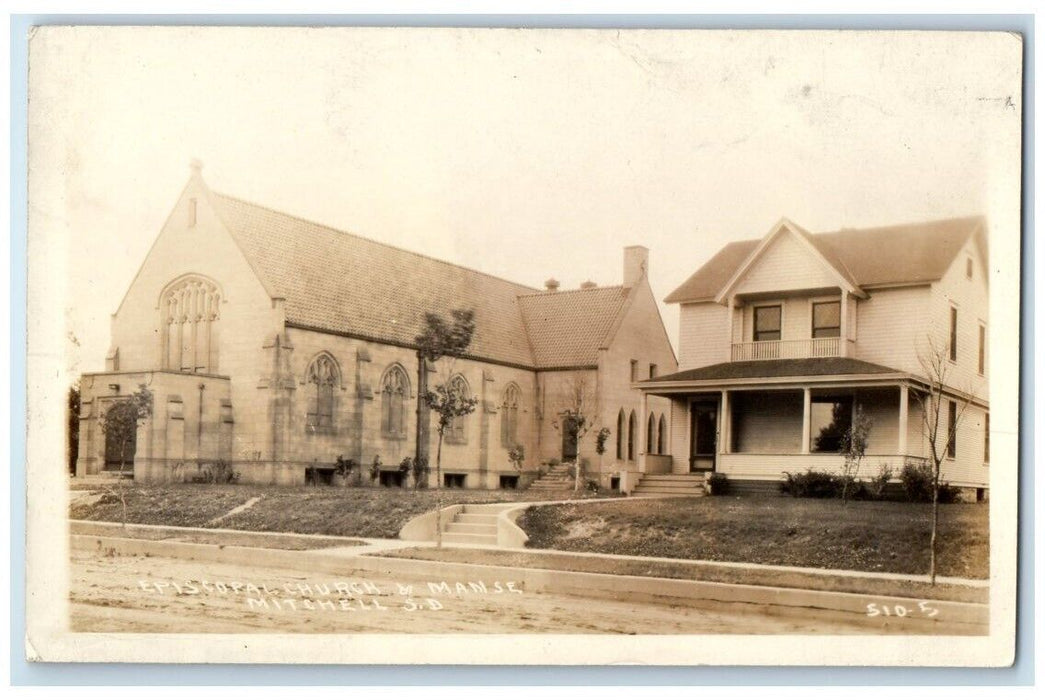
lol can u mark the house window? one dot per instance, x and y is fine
(830, 418)
(952, 428)
(661, 440)
(510, 416)
(191, 309)
(651, 434)
(986, 438)
(620, 434)
(634, 370)
(321, 377)
(827, 319)
(631, 437)
(981, 363)
(767, 323)
(652, 370)
(954, 334)
(394, 390)
(968, 267)
(455, 432)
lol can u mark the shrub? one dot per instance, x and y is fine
(592, 485)
(554, 462)
(516, 455)
(876, 488)
(219, 472)
(812, 484)
(718, 484)
(917, 482)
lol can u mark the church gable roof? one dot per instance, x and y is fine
(339, 282)
(902, 254)
(568, 328)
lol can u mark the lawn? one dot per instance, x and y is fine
(865, 536)
(319, 510)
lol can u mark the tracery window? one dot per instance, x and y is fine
(191, 310)
(510, 416)
(456, 432)
(322, 376)
(395, 388)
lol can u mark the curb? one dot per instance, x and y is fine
(946, 617)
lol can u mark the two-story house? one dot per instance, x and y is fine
(278, 344)
(783, 339)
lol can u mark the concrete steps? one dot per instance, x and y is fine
(558, 478)
(670, 485)
(473, 525)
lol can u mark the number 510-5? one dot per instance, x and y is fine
(923, 610)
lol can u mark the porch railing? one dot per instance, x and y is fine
(787, 349)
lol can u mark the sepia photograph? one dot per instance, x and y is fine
(449, 345)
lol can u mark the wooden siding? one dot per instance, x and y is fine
(703, 335)
(970, 297)
(787, 264)
(888, 326)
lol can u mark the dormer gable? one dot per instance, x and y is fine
(787, 259)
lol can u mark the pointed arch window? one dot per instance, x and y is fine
(651, 434)
(395, 388)
(456, 432)
(510, 417)
(631, 437)
(620, 434)
(661, 440)
(321, 378)
(190, 311)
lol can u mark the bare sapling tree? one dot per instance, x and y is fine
(119, 425)
(449, 399)
(943, 409)
(853, 447)
(575, 418)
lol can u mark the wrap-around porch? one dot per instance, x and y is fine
(758, 433)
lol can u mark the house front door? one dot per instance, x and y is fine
(703, 436)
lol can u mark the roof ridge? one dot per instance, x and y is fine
(903, 224)
(375, 242)
(549, 293)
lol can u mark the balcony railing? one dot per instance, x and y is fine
(787, 349)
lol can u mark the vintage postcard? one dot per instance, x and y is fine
(508, 346)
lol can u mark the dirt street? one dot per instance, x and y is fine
(154, 594)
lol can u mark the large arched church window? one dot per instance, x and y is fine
(190, 318)
(456, 434)
(321, 378)
(395, 388)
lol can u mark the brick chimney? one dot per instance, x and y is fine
(636, 264)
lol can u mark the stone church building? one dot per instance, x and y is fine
(278, 344)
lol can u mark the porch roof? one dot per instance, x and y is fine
(774, 369)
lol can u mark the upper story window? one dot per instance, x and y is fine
(395, 388)
(510, 416)
(982, 362)
(827, 319)
(190, 310)
(968, 267)
(652, 370)
(634, 370)
(954, 335)
(322, 376)
(767, 323)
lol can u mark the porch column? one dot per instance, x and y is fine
(901, 446)
(643, 424)
(723, 433)
(806, 406)
(843, 340)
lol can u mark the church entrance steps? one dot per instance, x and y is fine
(472, 526)
(670, 485)
(558, 478)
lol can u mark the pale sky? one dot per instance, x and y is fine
(525, 154)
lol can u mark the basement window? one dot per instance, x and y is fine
(454, 481)
(509, 482)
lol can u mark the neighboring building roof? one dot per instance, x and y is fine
(902, 254)
(339, 282)
(567, 328)
(757, 369)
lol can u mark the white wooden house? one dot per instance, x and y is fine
(784, 338)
